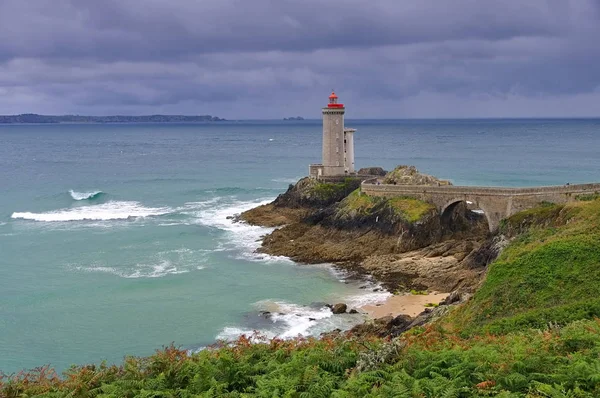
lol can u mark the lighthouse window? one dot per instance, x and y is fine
(337, 121)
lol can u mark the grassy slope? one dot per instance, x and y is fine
(549, 273)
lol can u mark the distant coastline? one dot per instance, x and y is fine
(29, 118)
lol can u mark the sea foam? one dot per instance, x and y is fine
(114, 210)
(287, 321)
(158, 265)
(239, 237)
(158, 270)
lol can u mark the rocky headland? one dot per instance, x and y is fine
(402, 242)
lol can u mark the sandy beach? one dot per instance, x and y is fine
(407, 304)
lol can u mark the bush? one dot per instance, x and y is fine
(432, 363)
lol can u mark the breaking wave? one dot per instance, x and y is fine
(85, 195)
(114, 210)
(241, 238)
(285, 320)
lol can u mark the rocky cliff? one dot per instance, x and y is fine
(403, 242)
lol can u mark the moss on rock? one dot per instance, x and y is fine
(402, 208)
(411, 209)
(311, 193)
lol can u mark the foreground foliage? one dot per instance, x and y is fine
(560, 362)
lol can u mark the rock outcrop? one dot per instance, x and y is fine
(373, 171)
(403, 242)
(339, 308)
(409, 175)
(299, 202)
(382, 327)
(311, 193)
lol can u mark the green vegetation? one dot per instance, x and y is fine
(531, 330)
(427, 362)
(328, 191)
(409, 209)
(432, 305)
(550, 273)
(543, 215)
(588, 197)
(418, 292)
(360, 203)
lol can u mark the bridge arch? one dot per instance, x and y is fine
(452, 203)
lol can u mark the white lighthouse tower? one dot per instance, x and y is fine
(338, 143)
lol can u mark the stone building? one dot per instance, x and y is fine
(338, 143)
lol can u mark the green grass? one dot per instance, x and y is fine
(359, 202)
(550, 273)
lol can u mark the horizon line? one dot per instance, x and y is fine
(311, 119)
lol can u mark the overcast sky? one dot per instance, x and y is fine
(243, 59)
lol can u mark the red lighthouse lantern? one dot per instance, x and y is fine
(333, 101)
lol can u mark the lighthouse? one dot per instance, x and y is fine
(338, 143)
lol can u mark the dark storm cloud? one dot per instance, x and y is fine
(235, 58)
(151, 29)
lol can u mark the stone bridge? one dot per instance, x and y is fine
(497, 203)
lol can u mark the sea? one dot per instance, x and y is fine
(117, 239)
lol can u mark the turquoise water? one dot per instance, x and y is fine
(151, 258)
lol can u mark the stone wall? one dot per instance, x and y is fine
(371, 187)
(342, 178)
(315, 170)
